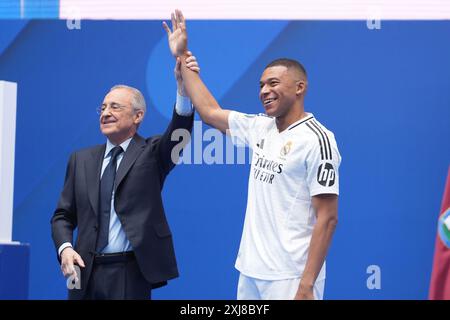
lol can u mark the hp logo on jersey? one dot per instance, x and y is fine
(326, 174)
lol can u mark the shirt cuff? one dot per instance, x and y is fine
(183, 106)
(63, 246)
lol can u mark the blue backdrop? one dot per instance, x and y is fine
(384, 93)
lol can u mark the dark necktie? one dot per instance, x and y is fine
(106, 189)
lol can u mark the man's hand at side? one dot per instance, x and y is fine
(69, 258)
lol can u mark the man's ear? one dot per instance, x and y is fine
(301, 87)
(139, 116)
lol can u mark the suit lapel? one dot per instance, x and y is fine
(93, 169)
(134, 149)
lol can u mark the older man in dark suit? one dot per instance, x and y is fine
(112, 194)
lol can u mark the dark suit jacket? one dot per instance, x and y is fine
(139, 181)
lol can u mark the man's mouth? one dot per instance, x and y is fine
(267, 102)
(108, 121)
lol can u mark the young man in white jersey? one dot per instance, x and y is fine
(293, 185)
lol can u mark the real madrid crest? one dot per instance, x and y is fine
(286, 148)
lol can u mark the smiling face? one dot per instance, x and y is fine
(280, 90)
(118, 120)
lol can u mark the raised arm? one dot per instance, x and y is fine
(203, 101)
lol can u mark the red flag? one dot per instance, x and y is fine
(440, 277)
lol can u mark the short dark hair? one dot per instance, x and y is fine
(289, 64)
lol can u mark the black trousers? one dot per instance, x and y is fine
(117, 277)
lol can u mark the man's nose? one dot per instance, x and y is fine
(106, 113)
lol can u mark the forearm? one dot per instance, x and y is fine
(62, 229)
(169, 146)
(64, 219)
(320, 241)
(183, 105)
(201, 98)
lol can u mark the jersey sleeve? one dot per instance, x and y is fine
(322, 164)
(242, 127)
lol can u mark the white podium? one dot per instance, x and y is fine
(8, 99)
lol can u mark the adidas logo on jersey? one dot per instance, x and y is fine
(260, 144)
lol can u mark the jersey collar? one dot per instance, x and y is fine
(309, 116)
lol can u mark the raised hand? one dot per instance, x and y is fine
(192, 64)
(177, 37)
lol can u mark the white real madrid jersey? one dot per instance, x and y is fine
(287, 169)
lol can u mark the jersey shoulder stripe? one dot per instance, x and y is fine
(324, 141)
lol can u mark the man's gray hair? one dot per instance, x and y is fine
(138, 101)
